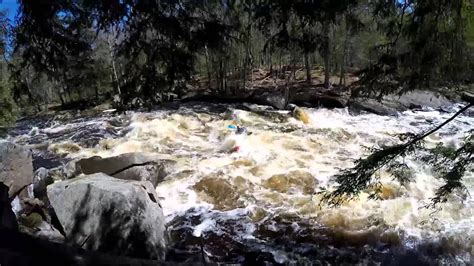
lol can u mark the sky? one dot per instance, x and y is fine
(11, 7)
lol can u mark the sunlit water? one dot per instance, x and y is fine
(261, 203)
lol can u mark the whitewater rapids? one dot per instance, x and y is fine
(263, 200)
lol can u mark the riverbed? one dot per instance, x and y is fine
(262, 202)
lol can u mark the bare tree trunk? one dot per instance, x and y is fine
(114, 68)
(96, 89)
(308, 68)
(208, 69)
(31, 98)
(326, 54)
(342, 78)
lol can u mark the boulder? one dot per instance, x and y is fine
(417, 98)
(277, 98)
(34, 220)
(7, 216)
(128, 166)
(373, 106)
(42, 178)
(16, 168)
(319, 96)
(102, 213)
(285, 183)
(392, 104)
(219, 192)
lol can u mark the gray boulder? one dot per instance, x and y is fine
(16, 168)
(419, 98)
(374, 106)
(102, 213)
(319, 96)
(42, 178)
(128, 166)
(277, 98)
(392, 104)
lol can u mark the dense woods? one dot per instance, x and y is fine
(145, 52)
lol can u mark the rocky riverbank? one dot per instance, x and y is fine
(82, 207)
(336, 97)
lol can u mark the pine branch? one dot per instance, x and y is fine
(353, 180)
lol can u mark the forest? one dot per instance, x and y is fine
(145, 52)
(269, 131)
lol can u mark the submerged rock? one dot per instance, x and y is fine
(16, 167)
(219, 192)
(300, 180)
(128, 166)
(102, 213)
(64, 148)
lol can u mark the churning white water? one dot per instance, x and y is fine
(265, 194)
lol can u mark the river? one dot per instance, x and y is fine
(262, 203)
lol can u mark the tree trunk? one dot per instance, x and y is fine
(114, 68)
(326, 54)
(208, 68)
(342, 79)
(308, 68)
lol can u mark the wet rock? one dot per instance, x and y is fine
(419, 98)
(295, 179)
(374, 106)
(392, 104)
(319, 96)
(41, 180)
(243, 163)
(64, 148)
(128, 166)
(258, 214)
(179, 175)
(34, 220)
(99, 212)
(16, 168)
(219, 192)
(275, 98)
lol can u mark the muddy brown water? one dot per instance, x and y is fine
(262, 203)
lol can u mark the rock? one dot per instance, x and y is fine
(392, 104)
(219, 192)
(420, 98)
(293, 180)
(319, 96)
(34, 220)
(41, 180)
(34, 225)
(128, 166)
(7, 216)
(102, 213)
(16, 168)
(275, 98)
(374, 106)
(18, 248)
